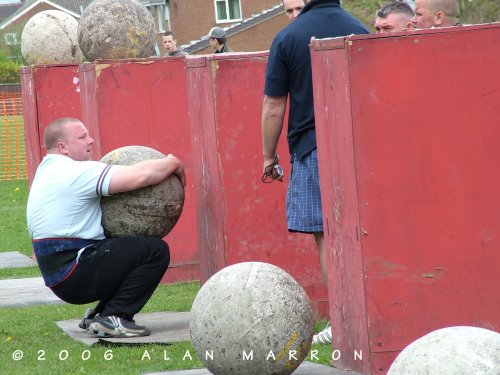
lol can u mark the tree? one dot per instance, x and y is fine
(471, 11)
(9, 69)
(479, 11)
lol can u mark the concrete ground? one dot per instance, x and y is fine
(306, 368)
(14, 259)
(25, 292)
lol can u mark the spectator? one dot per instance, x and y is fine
(217, 40)
(289, 73)
(393, 17)
(293, 8)
(435, 13)
(170, 44)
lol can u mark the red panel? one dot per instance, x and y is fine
(49, 92)
(240, 218)
(90, 105)
(30, 115)
(339, 201)
(181, 271)
(409, 145)
(57, 91)
(144, 102)
(205, 166)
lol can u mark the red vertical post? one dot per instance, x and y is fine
(30, 115)
(205, 158)
(89, 105)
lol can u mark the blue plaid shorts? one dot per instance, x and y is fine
(303, 198)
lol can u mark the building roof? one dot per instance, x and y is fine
(73, 7)
(148, 3)
(265, 15)
(6, 10)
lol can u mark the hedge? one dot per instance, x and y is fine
(9, 69)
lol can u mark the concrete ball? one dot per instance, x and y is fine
(116, 29)
(50, 37)
(453, 350)
(251, 318)
(149, 211)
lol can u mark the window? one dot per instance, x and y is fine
(167, 16)
(159, 9)
(160, 12)
(227, 10)
(12, 39)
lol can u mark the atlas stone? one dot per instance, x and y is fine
(116, 29)
(251, 318)
(50, 37)
(457, 350)
(149, 211)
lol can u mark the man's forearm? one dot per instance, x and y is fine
(145, 173)
(273, 113)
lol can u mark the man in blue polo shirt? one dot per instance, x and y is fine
(289, 73)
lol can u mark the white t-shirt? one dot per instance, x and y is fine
(64, 199)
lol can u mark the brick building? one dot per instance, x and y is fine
(250, 24)
(8, 7)
(255, 33)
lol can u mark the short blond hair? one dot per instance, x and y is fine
(56, 131)
(448, 7)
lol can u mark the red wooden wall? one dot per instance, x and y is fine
(408, 129)
(239, 217)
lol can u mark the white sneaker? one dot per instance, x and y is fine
(323, 337)
(114, 326)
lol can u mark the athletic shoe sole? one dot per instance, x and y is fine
(102, 330)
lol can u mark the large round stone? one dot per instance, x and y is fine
(251, 318)
(50, 37)
(454, 350)
(149, 211)
(116, 29)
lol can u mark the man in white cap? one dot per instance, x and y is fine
(217, 40)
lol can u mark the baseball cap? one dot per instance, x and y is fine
(216, 32)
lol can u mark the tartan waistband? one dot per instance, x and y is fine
(48, 246)
(57, 256)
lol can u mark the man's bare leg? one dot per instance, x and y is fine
(319, 237)
(325, 336)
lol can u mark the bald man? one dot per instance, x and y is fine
(78, 263)
(293, 8)
(435, 13)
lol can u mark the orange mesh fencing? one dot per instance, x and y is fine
(12, 147)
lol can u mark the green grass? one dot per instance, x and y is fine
(17, 273)
(33, 331)
(13, 228)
